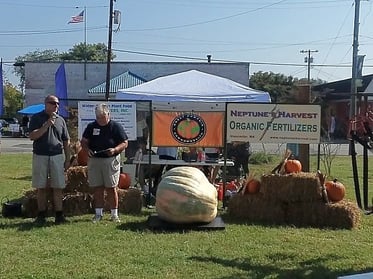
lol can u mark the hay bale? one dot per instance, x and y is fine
(30, 203)
(77, 204)
(73, 204)
(341, 215)
(77, 180)
(255, 208)
(130, 201)
(295, 187)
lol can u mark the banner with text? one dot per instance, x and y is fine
(273, 123)
(122, 112)
(188, 129)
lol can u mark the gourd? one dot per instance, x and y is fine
(335, 190)
(293, 165)
(185, 195)
(124, 181)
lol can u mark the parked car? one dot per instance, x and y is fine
(11, 120)
(4, 123)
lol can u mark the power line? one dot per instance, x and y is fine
(209, 21)
(46, 32)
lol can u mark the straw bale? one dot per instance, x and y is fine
(255, 208)
(293, 187)
(130, 201)
(341, 215)
(30, 204)
(77, 204)
(77, 180)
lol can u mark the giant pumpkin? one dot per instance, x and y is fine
(185, 195)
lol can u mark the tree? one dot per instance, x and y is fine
(13, 99)
(36, 55)
(279, 86)
(93, 52)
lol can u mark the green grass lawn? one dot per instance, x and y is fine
(82, 249)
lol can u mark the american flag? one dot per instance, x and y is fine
(78, 18)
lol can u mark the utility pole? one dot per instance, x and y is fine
(308, 59)
(355, 46)
(107, 92)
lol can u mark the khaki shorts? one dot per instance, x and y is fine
(44, 167)
(104, 171)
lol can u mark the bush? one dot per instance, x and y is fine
(260, 158)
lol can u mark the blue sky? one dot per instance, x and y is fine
(267, 33)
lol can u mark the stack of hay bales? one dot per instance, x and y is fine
(294, 199)
(78, 198)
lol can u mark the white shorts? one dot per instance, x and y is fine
(104, 171)
(44, 167)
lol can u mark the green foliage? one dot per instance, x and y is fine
(93, 52)
(89, 52)
(13, 100)
(260, 158)
(278, 86)
(36, 55)
(82, 249)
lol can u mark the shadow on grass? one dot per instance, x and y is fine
(134, 226)
(25, 225)
(22, 178)
(309, 269)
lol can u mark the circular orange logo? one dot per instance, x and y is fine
(188, 128)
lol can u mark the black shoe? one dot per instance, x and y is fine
(60, 220)
(40, 221)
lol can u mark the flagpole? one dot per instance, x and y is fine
(85, 43)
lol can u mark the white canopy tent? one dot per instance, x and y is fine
(183, 90)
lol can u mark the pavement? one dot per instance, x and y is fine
(15, 145)
(24, 145)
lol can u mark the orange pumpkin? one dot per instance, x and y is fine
(124, 181)
(293, 165)
(252, 186)
(82, 157)
(335, 190)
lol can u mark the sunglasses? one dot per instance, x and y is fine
(53, 103)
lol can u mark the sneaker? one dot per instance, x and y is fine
(40, 221)
(60, 220)
(96, 218)
(115, 219)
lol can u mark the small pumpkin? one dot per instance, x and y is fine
(82, 157)
(124, 181)
(252, 186)
(336, 190)
(293, 165)
(184, 195)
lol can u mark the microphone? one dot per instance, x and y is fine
(54, 115)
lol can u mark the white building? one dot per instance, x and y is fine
(87, 81)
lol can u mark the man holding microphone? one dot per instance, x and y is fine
(51, 157)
